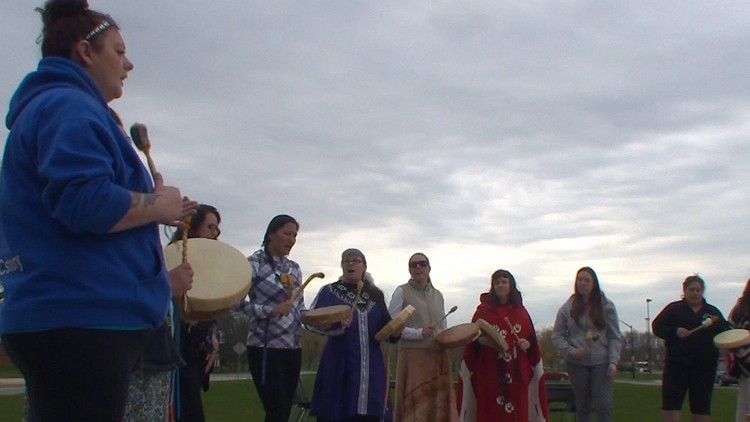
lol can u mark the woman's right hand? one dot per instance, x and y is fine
(168, 200)
(181, 279)
(428, 332)
(282, 309)
(486, 342)
(579, 353)
(348, 320)
(683, 332)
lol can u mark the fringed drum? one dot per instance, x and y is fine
(493, 334)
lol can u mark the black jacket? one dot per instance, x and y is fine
(698, 349)
(161, 354)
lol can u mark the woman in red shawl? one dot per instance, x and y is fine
(497, 385)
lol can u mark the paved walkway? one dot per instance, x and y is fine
(11, 386)
(11, 382)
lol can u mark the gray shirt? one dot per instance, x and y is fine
(569, 335)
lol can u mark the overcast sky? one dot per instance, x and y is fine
(538, 137)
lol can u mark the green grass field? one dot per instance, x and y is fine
(9, 372)
(230, 401)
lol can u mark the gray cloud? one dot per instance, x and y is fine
(534, 137)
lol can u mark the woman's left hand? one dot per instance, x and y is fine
(612, 370)
(189, 209)
(524, 344)
(348, 320)
(683, 332)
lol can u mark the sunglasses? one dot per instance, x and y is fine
(417, 264)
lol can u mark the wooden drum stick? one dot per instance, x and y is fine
(139, 135)
(302, 287)
(706, 323)
(452, 310)
(512, 330)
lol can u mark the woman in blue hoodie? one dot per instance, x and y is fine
(80, 251)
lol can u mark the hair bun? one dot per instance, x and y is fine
(56, 9)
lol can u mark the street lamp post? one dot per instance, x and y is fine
(632, 348)
(648, 333)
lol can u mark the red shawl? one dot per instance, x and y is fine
(503, 386)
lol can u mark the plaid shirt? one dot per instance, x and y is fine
(267, 292)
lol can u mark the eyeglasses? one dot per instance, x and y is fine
(352, 261)
(417, 264)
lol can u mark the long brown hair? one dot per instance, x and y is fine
(196, 221)
(742, 307)
(596, 312)
(514, 297)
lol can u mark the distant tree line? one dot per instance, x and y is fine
(233, 329)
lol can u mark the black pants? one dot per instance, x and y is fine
(282, 375)
(77, 374)
(191, 403)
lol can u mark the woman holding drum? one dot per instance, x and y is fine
(739, 316)
(352, 379)
(196, 339)
(499, 384)
(587, 334)
(273, 343)
(424, 387)
(688, 327)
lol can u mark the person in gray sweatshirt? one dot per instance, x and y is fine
(587, 335)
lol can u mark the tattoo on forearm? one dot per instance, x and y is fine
(147, 199)
(150, 199)
(135, 199)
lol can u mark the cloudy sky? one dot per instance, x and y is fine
(538, 137)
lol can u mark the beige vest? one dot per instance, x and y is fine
(429, 309)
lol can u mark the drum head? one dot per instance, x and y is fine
(732, 339)
(327, 316)
(223, 274)
(389, 328)
(458, 335)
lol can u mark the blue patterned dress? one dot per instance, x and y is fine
(351, 376)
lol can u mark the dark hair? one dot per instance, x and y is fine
(741, 309)
(596, 312)
(695, 278)
(196, 222)
(275, 225)
(514, 298)
(66, 22)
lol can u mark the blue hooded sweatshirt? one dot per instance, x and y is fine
(67, 174)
